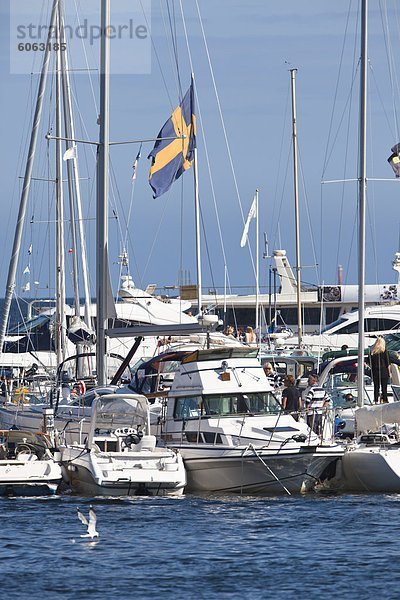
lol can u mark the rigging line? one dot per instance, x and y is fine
(207, 249)
(126, 220)
(157, 56)
(354, 220)
(170, 50)
(377, 90)
(223, 127)
(133, 186)
(345, 165)
(276, 233)
(77, 12)
(204, 137)
(22, 151)
(308, 216)
(390, 61)
(174, 39)
(181, 234)
(336, 90)
(370, 205)
(284, 137)
(155, 238)
(346, 110)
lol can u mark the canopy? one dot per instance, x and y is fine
(372, 418)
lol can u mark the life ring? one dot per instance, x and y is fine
(80, 387)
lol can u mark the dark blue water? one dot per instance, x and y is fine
(203, 547)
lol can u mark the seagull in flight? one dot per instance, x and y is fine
(91, 524)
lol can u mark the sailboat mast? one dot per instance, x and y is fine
(296, 205)
(70, 133)
(102, 195)
(257, 272)
(197, 226)
(60, 272)
(12, 270)
(362, 193)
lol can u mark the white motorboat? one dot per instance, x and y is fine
(27, 464)
(123, 460)
(372, 463)
(219, 410)
(379, 320)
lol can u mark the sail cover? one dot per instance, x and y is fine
(372, 418)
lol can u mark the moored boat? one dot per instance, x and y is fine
(27, 464)
(220, 412)
(122, 460)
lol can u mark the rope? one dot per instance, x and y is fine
(251, 447)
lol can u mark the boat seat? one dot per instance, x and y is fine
(148, 442)
(24, 457)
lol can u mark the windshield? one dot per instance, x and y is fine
(192, 407)
(334, 324)
(34, 323)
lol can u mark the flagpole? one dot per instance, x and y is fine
(197, 222)
(257, 268)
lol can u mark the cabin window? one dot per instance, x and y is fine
(233, 404)
(381, 324)
(189, 407)
(348, 329)
(205, 437)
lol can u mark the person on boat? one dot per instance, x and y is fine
(380, 368)
(349, 397)
(291, 397)
(251, 337)
(228, 331)
(273, 377)
(3, 387)
(317, 400)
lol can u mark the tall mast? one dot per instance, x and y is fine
(60, 271)
(197, 226)
(257, 272)
(362, 193)
(296, 206)
(73, 171)
(102, 195)
(12, 270)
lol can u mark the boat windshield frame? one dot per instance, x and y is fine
(226, 405)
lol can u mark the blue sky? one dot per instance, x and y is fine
(252, 45)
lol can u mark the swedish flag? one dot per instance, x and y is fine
(170, 158)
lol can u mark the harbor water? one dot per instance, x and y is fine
(238, 547)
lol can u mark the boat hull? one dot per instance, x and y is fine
(92, 478)
(255, 472)
(40, 478)
(371, 469)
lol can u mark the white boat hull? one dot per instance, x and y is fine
(371, 469)
(255, 472)
(29, 478)
(159, 473)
